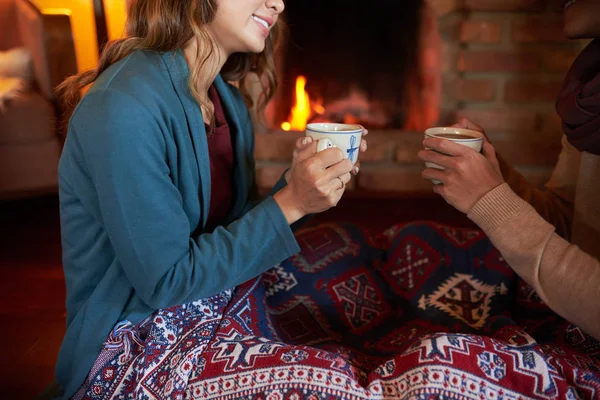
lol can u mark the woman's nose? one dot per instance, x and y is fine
(276, 5)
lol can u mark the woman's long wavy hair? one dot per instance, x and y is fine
(167, 25)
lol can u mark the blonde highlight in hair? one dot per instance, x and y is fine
(167, 25)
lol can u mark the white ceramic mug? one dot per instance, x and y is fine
(465, 137)
(346, 137)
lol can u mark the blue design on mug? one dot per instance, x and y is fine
(352, 149)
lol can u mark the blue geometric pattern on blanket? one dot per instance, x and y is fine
(363, 285)
(454, 277)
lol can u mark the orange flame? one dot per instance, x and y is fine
(301, 111)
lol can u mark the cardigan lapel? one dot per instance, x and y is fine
(231, 108)
(179, 71)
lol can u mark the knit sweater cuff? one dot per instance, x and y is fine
(496, 207)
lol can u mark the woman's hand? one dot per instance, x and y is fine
(363, 148)
(468, 175)
(316, 183)
(302, 142)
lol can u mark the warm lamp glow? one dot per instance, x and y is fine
(116, 14)
(82, 23)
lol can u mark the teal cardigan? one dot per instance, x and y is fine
(135, 185)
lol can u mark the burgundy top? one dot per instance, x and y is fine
(220, 153)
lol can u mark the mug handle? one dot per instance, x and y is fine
(324, 144)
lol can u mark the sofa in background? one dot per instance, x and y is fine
(30, 138)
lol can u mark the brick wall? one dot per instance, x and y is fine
(503, 62)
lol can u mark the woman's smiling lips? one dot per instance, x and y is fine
(264, 23)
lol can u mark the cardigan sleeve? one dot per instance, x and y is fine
(554, 203)
(281, 183)
(564, 276)
(141, 209)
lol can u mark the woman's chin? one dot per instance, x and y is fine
(258, 47)
(254, 45)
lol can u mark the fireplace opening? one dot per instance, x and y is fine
(356, 61)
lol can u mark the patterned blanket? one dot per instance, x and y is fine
(422, 311)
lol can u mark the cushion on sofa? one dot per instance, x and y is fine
(9, 28)
(10, 88)
(29, 168)
(16, 63)
(28, 118)
(31, 29)
(16, 74)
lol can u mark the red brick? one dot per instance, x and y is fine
(394, 178)
(527, 91)
(515, 120)
(480, 32)
(379, 148)
(536, 30)
(449, 56)
(275, 146)
(559, 60)
(408, 147)
(504, 5)
(443, 7)
(498, 61)
(475, 90)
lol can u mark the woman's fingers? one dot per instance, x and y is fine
(339, 169)
(363, 145)
(307, 150)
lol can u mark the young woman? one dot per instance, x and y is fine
(157, 186)
(550, 238)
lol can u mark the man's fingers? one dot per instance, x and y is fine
(462, 123)
(466, 123)
(446, 146)
(433, 174)
(489, 151)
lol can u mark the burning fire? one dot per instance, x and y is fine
(302, 109)
(354, 107)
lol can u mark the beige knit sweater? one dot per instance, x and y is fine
(531, 228)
